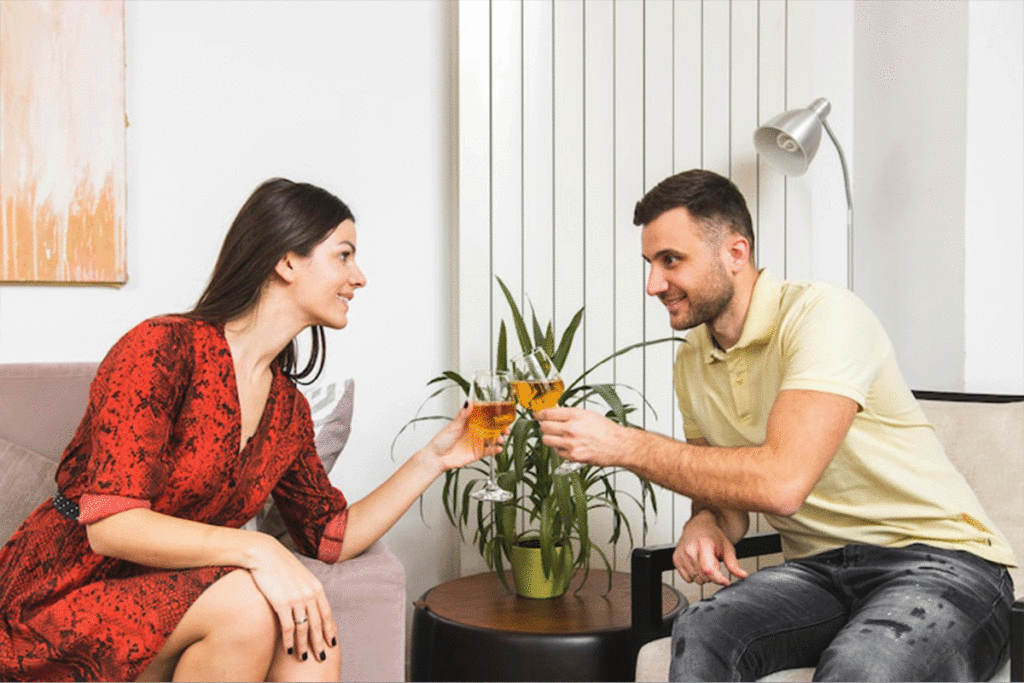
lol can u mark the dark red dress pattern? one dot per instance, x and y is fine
(161, 431)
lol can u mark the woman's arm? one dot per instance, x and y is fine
(371, 517)
(153, 539)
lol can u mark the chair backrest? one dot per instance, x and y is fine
(984, 438)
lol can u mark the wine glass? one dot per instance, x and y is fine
(493, 408)
(538, 386)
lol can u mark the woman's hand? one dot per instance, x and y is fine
(702, 548)
(453, 446)
(296, 596)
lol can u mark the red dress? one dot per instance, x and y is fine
(161, 431)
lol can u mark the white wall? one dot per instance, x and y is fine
(354, 96)
(994, 234)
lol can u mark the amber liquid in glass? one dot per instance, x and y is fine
(537, 395)
(489, 419)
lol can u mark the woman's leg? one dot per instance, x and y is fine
(323, 667)
(228, 634)
(779, 618)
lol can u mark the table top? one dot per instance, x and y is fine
(482, 601)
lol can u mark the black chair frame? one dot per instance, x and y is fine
(648, 564)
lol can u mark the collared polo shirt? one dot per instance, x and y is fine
(890, 482)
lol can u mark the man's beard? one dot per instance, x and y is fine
(713, 298)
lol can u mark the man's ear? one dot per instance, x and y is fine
(285, 268)
(736, 251)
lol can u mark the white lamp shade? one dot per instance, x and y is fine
(790, 140)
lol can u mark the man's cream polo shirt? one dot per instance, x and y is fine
(890, 483)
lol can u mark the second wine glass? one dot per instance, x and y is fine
(493, 409)
(538, 386)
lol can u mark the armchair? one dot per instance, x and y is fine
(984, 438)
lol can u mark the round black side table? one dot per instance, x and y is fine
(473, 629)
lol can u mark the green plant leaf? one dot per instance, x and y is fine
(501, 362)
(538, 333)
(562, 353)
(517, 318)
(620, 352)
(457, 378)
(549, 341)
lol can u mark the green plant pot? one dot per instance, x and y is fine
(528, 572)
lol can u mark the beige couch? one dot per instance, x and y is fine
(983, 436)
(40, 407)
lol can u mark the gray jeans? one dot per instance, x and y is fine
(860, 613)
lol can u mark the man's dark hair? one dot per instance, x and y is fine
(713, 201)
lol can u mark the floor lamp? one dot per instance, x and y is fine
(789, 142)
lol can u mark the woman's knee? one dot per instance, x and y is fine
(234, 612)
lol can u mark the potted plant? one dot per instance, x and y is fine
(549, 516)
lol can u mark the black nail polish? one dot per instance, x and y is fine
(323, 656)
(291, 650)
(466, 404)
(334, 642)
(305, 656)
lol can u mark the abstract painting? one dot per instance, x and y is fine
(62, 141)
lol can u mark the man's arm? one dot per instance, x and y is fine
(805, 428)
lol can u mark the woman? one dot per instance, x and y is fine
(138, 568)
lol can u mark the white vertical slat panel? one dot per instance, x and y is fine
(570, 110)
(769, 209)
(629, 187)
(799, 72)
(506, 159)
(569, 209)
(538, 172)
(596, 338)
(475, 312)
(687, 107)
(769, 206)
(688, 154)
(658, 164)
(744, 116)
(474, 186)
(717, 87)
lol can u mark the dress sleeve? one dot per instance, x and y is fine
(314, 511)
(132, 405)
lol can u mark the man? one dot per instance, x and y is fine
(794, 407)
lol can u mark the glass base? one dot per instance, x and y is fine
(568, 468)
(492, 493)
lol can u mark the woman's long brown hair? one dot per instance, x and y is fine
(280, 217)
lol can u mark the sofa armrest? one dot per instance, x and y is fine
(368, 600)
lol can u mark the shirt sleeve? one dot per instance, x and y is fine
(314, 511)
(132, 404)
(833, 343)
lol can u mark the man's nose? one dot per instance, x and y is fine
(655, 282)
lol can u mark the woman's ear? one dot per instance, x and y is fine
(285, 268)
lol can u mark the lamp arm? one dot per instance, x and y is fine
(849, 206)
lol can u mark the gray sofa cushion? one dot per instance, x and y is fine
(26, 479)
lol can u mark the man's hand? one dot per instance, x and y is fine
(584, 436)
(702, 549)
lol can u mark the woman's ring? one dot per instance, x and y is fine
(303, 620)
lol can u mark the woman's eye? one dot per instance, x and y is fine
(344, 256)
